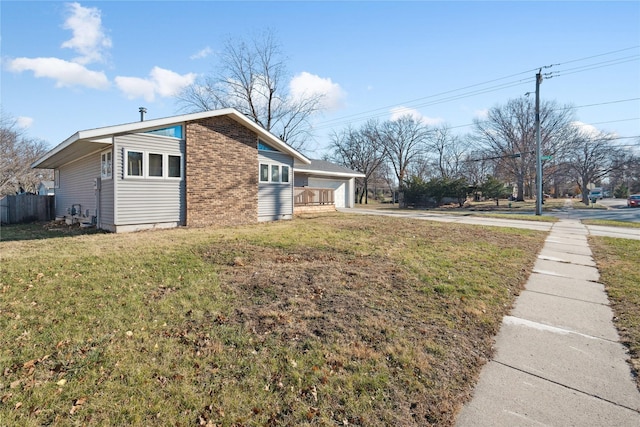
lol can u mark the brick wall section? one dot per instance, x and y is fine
(221, 173)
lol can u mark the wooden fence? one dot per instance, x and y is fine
(26, 208)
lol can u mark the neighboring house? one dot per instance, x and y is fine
(46, 188)
(320, 174)
(214, 167)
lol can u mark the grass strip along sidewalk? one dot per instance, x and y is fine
(618, 261)
(334, 319)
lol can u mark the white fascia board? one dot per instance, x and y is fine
(327, 173)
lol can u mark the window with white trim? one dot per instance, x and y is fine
(174, 166)
(155, 165)
(134, 164)
(106, 165)
(264, 173)
(143, 164)
(275, 173)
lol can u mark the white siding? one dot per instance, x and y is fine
(275, 200)
(76, 186)
(148, 200)
(106, 204)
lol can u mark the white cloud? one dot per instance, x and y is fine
(64, 72)
(135, 87)
(24, 122)
(202, 53)
(89, 39)
(161, 82)
(398, 112)
(307, 84)
(590, 130)
(481, 114)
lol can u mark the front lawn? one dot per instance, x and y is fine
(618, 261)
(325, 320)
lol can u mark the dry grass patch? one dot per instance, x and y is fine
(324, 320)
(618, 261)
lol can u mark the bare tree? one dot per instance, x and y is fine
(252, 77)
(358, 149)
(508, 133)
(18, 153)
(404, 142)
(590, 159)
(449, 151)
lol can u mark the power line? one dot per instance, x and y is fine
(416, 103)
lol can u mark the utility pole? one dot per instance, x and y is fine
(538, 150)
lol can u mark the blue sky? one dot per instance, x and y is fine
(69, 66)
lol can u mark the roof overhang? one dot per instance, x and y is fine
(86, 142)
(328, 173)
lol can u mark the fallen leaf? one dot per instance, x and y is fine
(18, 405)
(62, 382)
(30, 364)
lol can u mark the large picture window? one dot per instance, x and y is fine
(285, 173)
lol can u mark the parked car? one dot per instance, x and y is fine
(633, 201)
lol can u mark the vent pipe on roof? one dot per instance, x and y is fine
(142, 111)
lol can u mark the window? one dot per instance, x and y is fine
(155, 165)
(264, 173)
(171, 132)
(275, 173)
(175, 166)
(106, 165)
(265, 147)
(134, 163)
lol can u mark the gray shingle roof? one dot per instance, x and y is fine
(325, 167)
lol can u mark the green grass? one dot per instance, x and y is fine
(618, 261)
(322, 320)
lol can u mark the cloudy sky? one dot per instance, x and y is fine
(69, 66)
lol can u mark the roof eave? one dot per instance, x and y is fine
(329, 173)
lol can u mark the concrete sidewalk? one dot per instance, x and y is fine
(558, 359)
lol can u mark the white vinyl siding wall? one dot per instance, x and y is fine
(106, 216)
(275, 200)
(76, 186)
(148, 200)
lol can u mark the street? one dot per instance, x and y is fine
(617, 210)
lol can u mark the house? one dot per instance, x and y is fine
(45, 188)
(310, 179)
(214, 167)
